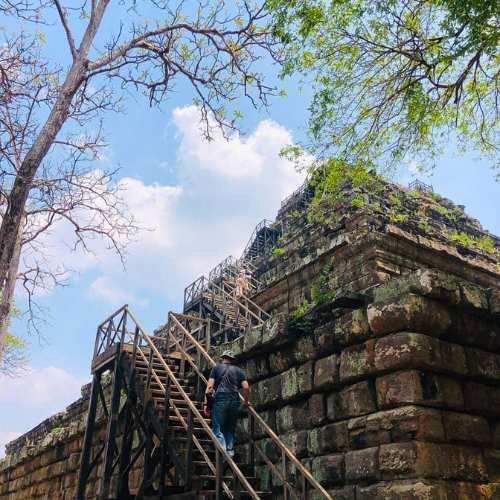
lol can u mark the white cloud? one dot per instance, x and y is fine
(33, 396)
(50, 387)
(224, 187)
(237, 158)
(107, 289)
(153, 208)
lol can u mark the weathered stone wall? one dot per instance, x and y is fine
(399, 399)
(396, 232)
(44, 462)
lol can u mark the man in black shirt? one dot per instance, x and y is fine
(224, 384)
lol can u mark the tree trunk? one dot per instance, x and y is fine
(8, 291)
(12, 219)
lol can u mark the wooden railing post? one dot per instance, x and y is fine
(218, 475)
(124, 329)
(167, 347)
(208, 334)
(189, 452)
(304, 488)
(237, 490)
(183, 360)
(251, 429)
(134, 348)
(150, 367)
(285, 485)
(165, 438)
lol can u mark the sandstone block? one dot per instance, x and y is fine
(289, 384)
(324, 339)
(326, 373)
(398, 460)
(357, 362)
(483, 364)
(455, 462)
(411, 313)
(304, 350)
(267, 391)
(292, 417)
(443, 461)
(333, 437)
(494, 302)
(415, 350)
(269, 418)
(314, 442)
(403, 490)
(351, 328)
(296, 441)
(305, 374)
(492, 459)
(237, 346)
(362, 465)
(317, 409)
(483, 399)
(256, 369)
(399, 424)
(475, 330)
(473, 296)
(412, 386)
(273, 331)
(328, 469)
(280, 361)
(436, 284)
(352, 401)
(463, 428)
(252, 339)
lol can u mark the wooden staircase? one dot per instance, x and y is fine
(164, 380)
(204, 479)
(227, 310)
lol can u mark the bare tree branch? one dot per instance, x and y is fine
(69, 36)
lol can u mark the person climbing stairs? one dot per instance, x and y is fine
(151, 417)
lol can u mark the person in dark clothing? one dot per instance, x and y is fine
(225, 382)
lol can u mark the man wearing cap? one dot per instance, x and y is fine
(224, 384)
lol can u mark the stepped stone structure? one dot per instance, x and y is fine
(379, 367)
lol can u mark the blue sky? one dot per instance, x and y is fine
(199, 202)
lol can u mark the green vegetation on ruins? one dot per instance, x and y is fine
(340, 189)
(321, 290)
(299, 321)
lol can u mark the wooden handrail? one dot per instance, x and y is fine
(274, 437)
(243, 480)
(182, 420)
(111, 316)
(261, 453)
(261, 311)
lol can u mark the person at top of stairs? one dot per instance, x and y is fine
(222, 398)
(242, 284)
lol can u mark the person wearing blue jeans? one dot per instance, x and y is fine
(225, 382)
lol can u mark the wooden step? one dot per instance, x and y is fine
(160, 403)
(174, 418)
